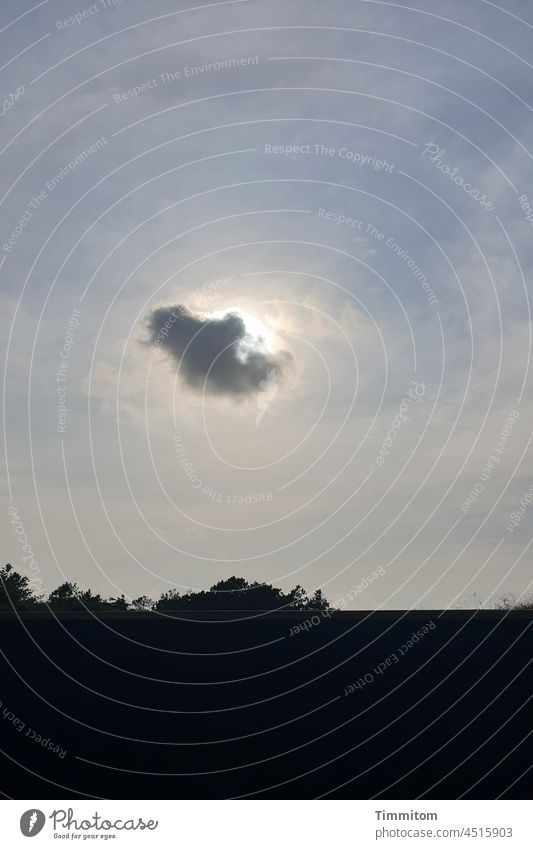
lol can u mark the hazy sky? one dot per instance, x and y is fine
(264, 295)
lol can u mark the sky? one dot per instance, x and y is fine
(264, 294)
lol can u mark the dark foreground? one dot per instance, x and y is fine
(143, 706)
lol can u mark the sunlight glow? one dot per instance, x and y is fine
(262, 333)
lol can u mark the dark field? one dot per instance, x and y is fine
(144, 706)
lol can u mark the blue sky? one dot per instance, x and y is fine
(354, 178)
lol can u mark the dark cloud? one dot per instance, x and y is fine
(215, 352)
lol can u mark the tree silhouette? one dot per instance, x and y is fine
(318, 601)
(69, 597)
(170, 600)
(15, 590)
(237, 594)
(65, 597)
(231, 594)
(142, 604)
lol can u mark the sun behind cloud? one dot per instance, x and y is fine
(227, 352)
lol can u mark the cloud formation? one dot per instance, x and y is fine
(215, 355)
